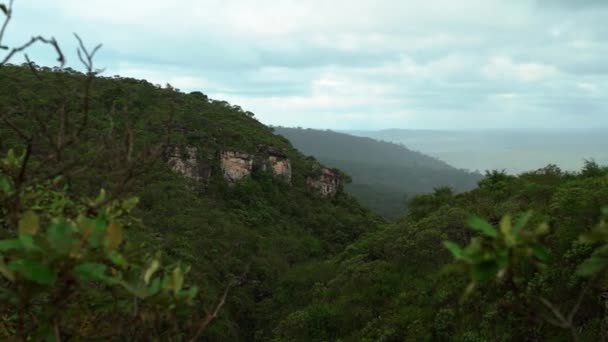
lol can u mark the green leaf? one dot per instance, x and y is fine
(113, 236)
(191, 292)
(542, 229)
(29, 223)
(101, 197)
(154, 266)
(11, 160)
(98, 232)
(60, 235)
(468, 292)
(90, 271)
(139, 291)
(485, 270)
(34, 271)
(129, 203)
(154, 287)
(542, 253)
(482, 226)
(27, 243)
(593, 236)
(8, 245)
(454, 248)
(117, 258)
(4, 9)
(5, 271)
(177, 279)
(592, 266)
(522, 221)
(5, 184)
(505, 225)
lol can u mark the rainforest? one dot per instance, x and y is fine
(135, 211)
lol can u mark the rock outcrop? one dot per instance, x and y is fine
(326, 183)
(236, 165)
(281, 167)
(277, 161)
(186, 163)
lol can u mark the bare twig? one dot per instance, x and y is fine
(50, 41)
(210, 316)
(9, 14)
(563, 321)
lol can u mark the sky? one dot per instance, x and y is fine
(358, 64)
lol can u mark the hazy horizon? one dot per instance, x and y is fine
(515, 151)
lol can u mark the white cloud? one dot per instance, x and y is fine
(355, 63)
(505, 68)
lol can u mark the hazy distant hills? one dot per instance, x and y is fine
(383, 173)
(513, 150)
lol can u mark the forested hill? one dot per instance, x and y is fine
(217, 190)
(276, 250)
(524, 275)
(383, 174)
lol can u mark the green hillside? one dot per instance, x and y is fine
(400, 284)
(273, 258)
(383, 174)
(136, 212)
(260, 227)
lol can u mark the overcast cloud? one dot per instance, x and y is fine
(358, 64)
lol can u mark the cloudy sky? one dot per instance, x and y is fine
(357, 64)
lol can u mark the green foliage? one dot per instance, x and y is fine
(250, 234)
(398, 283)
(598, 261)
(60, 268)
(501, 252)
(278, 262)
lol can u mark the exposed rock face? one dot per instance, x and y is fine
(277, 161)
(236, 165)
(186, 163)
(326, 184)
(281, 167)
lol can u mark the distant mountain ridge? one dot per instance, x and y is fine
(383, 174)
(514, 150)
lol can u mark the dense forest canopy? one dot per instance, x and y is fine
(248, 234)
(137, 212)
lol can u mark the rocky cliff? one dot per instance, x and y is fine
(277, 161)
(235, 166)
(326, 183)
(186, 162)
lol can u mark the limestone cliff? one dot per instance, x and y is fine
(236, 165)
(187, 163)
(326, 183)
(281, 167)
(277, 161)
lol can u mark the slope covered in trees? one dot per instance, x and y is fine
(383, 174)
(243, 236)
(118, 222)
(399, 283)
